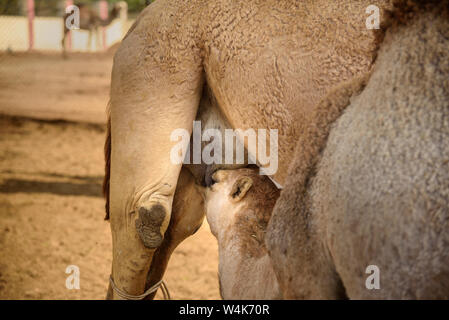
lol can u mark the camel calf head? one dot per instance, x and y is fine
(238, 208)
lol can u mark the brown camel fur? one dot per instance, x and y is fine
(379, 192)
(268, 65)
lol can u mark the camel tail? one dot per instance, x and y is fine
(107, 169)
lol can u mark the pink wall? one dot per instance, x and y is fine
(69, 35)
(104, 12)
(30, 11)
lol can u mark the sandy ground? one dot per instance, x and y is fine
(49, 87)
(51, 209)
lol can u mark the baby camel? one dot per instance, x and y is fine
(238, 208)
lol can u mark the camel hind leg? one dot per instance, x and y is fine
(148, 102)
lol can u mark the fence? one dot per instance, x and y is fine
(32, 32)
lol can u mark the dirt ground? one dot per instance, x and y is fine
(47, 86)
(51, 208)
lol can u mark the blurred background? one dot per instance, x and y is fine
(52, 129)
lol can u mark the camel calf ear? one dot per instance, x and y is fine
(240, 188)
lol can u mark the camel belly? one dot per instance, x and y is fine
(267, 70)
(209, 117)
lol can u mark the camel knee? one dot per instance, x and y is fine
(151, 213)
(149, 225)
(143, 215)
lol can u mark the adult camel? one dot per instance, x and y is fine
(267, 64)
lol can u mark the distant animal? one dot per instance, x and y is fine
(238, 209)
(90, 21)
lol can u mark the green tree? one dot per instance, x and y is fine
(10, 7)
